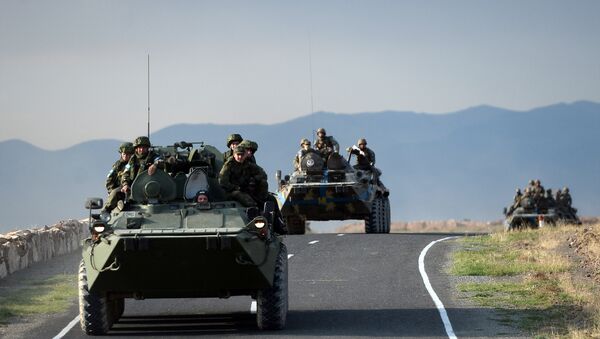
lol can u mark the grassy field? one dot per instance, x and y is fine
(543, 281)
(46, 296)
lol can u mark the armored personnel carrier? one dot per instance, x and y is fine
(535, 212)
(332, 190)
(166, 244)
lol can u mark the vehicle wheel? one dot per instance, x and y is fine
(272, 303)
(94, 312)
(375, 221)
(387, 219)
(296, 224)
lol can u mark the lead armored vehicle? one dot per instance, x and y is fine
(535, 212)
(332, 190)
(165, 244)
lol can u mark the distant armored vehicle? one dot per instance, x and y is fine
(332, 190)
(533, 210)
(178, 238)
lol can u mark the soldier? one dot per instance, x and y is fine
(557, 197)
(565, 197)
(365, 157)
(326, 144)
(550, 199)
(142, 160)
(538, 189)
(113, 179)
(242, 180)
(305, 148)
(232, 141)
(251, 148)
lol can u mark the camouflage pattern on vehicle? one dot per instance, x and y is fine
(332, 191)
(166, 244)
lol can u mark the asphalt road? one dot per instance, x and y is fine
(351, 285)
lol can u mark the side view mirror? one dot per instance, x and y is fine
(94, 203)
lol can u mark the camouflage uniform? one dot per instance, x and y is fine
(302, 152)
(326, 144)
(138, 163)
(113, 179)
(249, 145)
(232, 138)
(244, 181)
(365, 158)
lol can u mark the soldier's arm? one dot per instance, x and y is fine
(128, 173)
(112, 180)
(372, 154)
(224, 178)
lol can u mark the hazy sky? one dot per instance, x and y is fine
(76, 70)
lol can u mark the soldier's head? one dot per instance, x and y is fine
(202, 197)
(565, 189)
(305, 143)
(362, 143)
(239, 153)
(518, 191)
(126, 150)
(531, 182)
(233, 140)
(549, 192)
(321, 133)
(250, 146)
(538, 182)
(142, 145)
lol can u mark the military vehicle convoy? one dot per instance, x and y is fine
(332, 190)
(164, 244)
(537, 208)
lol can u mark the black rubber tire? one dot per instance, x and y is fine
(272, 303)
(375, 222)
(387, 216)
(94, 313)
(296, 224)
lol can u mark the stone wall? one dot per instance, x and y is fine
(20, 249)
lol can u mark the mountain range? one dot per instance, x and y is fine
(459, 165)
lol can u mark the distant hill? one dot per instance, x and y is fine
(459, 165)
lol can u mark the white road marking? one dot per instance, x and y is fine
(436, 300)
(253, 307)
(67, 328)
(313, 242)
(340, 235)
(290, 255)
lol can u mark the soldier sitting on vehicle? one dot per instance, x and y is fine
(232, 141)
(365, 157)
(326, 145)
(142, 160)
(304, 149)
(550, 199)
(242, 180)
(113, 180)
(251, 148)
(516, 201)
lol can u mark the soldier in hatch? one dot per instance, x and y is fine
(142, 160)
(251, 148)
(304, 149)
(365, 157)
(242, 180)
(113, 180)
(326, 145)
(232, 141)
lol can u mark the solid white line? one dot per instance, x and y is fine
(340, 235)
(436, 300)
(313, 242)
(253, 307)
(68, 328)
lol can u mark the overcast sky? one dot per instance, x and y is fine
(76, 70)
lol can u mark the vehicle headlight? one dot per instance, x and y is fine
(99, 228)
(259, 224)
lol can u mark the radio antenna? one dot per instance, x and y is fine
(148, 95)
(312, 107)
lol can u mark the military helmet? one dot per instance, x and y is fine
(531, 182)
(239, 149)
(565, 189)
(234, 138)
(126, 148)
(305, 142)
(249, 145)
(538, 182)
(322, 130)
(362, 141)
(142, 141)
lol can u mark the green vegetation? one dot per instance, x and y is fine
(531, 281)
(51, 295)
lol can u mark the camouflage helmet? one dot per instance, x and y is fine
(531, 182)
(305, 141)
(249, 145)
(126, 148)
(518, 190)
(234, 138)
(142, 141)
(565, 189)
(362, 141)
(322, 130)
(239, 149)
(538, 182)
